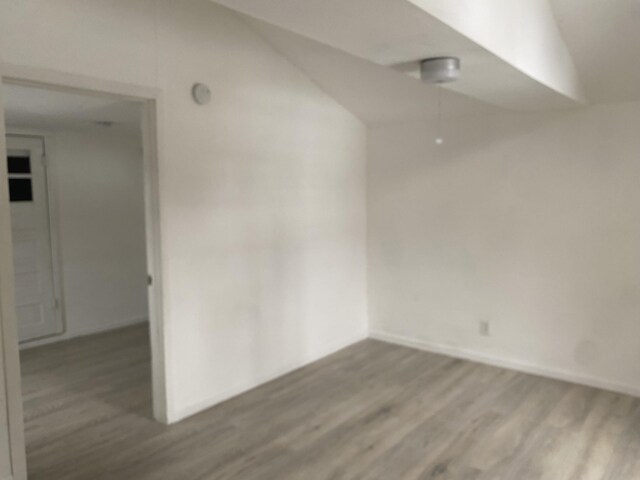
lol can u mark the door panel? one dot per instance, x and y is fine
(33, 261)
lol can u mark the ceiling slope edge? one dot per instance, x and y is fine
(397, 34)
(524, 34)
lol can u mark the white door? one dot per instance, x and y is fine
(32, 255)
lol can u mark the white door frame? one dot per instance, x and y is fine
(152, 101)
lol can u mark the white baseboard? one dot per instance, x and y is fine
(68, 335)
(510, 364)
(244, 387)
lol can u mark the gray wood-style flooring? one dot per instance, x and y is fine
(372, 411)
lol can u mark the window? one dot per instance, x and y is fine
(19, 164)
(20, 190)
(19, 170)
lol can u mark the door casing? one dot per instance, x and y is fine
(151, 99)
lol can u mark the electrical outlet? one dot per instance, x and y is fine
(484, 328)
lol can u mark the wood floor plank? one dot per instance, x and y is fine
(373, 411)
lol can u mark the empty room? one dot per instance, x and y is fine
(320, 240)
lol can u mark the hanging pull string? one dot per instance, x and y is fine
(439, 138)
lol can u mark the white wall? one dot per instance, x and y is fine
(262, 193)
(528, 221)
(99, 185)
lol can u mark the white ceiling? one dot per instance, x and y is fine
(604, 39)
(602, 35)
(383, 31)
(36, 108)
(392, 33)
(373, 93)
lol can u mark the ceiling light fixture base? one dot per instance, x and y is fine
(439, 70)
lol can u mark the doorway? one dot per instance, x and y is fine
(37, 316)
(35, 272)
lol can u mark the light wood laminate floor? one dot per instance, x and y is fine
(372, 411)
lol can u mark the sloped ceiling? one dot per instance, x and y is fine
(396, 34)
(604, 39)
(373, 93)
